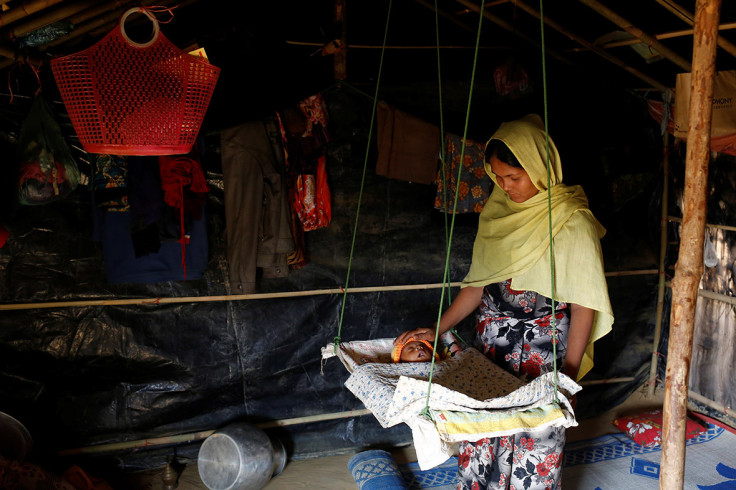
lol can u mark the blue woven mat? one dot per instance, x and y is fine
(376, 469)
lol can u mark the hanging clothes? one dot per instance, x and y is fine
(408, 147)
(256, 212)
(141, 242)
(185, 189)
(305, 136)
(474, 187)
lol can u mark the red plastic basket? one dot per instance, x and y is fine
(127, 98)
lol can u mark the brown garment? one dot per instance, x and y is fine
(256, 211)
(408, 147)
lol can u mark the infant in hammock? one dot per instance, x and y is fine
(421, 350)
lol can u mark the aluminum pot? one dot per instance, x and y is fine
(238, 457)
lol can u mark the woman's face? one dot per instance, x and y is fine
(513, 180)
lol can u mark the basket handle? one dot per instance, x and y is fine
(156, 28)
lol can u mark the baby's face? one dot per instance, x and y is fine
(416, 351)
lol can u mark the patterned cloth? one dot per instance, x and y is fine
(468, 382)
(514, 329)
(475, 185)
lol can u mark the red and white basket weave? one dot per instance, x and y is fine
(127, 98)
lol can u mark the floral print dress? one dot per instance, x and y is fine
(514, 330)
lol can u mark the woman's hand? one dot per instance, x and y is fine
(421, 333)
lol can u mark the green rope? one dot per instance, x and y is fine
(443, 156)
(549, 201)
(425, 411)
(337, 339)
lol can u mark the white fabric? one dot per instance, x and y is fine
(468, 382)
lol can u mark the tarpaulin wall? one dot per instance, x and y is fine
(92, 374)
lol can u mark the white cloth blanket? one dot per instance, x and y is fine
(489, 401)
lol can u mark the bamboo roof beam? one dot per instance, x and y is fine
(574, 37)
(687, 17)
(664, 35)
(505, 25)
(63, 12)
(689, 268)
(638, 33)
(24, 10)
(447, 15)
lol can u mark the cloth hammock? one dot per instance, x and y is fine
(471, 397)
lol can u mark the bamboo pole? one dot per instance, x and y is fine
(406, 46)
(689, 268)
(253, 296)
(600, 52)
(687, 17)
(24, 10)
(711, 403)
(207, 299)
(593, 382)
(662, 253)
(675, 219)
(723, 298)
(638, 33)
(52, 15)
(664, 35)
(340, 58)
(450, 16)
(505, 25)
(195, 436)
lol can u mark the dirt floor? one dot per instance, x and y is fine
(332, 472)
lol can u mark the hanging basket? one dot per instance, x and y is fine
(128, 98)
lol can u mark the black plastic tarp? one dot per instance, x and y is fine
(83, 375)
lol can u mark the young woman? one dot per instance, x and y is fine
(509, 285)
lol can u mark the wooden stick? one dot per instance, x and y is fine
(664, 35)
(24, 10)
(662, 253)
(339, 61)
(675, 219)
(505, 25)
(687, 17)
(638, 33)
(195, 436)
(711, 403)
(207, 299)
(689, 268)
(377, 46)
(723, 298)
(606, 381)
(52, 15)
(254, 296)
(600, 52)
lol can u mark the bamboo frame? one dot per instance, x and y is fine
(638, 33)
(600, 52)
(24, 10)
(339, 61)
(687, 17)
(689, 268)
(662, 253)
(195, 436)
(253, 296)
(675, 219)
(63, 12)
(505, 25)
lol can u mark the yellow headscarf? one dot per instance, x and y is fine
(513, 238)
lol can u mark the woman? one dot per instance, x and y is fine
(509, 284)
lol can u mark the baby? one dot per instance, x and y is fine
(413, 351)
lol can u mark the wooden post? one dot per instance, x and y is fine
(340, 59)
(689, 268)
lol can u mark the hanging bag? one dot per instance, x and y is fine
(128, 98)
(47, 169)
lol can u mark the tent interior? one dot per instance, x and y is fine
(118, 372)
